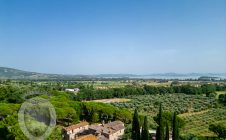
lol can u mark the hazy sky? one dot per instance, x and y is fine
(113, 36)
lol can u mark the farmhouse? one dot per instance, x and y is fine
(69, 133)
(110, 131)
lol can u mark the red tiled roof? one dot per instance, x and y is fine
(72, 127)
(109, 128)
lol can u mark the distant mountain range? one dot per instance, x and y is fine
(10, 73)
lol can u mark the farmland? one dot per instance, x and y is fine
(197, 105)
(106, 84)
(180, 103)
(197, 111)
(198, 124)
(114, 100)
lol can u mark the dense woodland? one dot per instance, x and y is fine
(89, 93)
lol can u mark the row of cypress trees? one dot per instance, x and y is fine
(162, 130)
(136, 134)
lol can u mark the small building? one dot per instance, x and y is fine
(69, 133)
(110, 131)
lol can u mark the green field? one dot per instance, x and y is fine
(198, 124)
(179, 102)
(198, 111)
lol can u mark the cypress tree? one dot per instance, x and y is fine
(160, 129)
(175, 127)
(167, 132)
(135, 126)
(145, 132)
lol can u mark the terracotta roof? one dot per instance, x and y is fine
(112, 124)
(72, 127)
(109, 128)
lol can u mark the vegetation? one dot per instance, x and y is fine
(91, 93)
(135, 126)
(145, 130)
(67, 110)
(199, 108)
(198, 123)
(180, 103)
(160, 128)
(222, 98)
(219, 130)
(167, 132)
(176, 134)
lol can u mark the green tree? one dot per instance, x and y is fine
(219, 130)
(167, 132)
(94, 117)
(175, 127)
(145, 133)
(124, 115)
(160, 129)
(135, 126)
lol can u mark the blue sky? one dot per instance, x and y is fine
(113, 36)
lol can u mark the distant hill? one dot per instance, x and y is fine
(10, 73)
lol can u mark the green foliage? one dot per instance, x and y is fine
(167, 118)
(198, 124)
(8, 109)
(167, 132)
(180, 103)
(123, 115)
(208, 88)
(94, 117)
(145, 98)
(135, 126)
(89, 93)
(222, 98)
(56, 134)
(160, 128)
(9, 128)
(11, 94)
(175, 134)
(105, 112)
(66, 111)
(219, 130)
(145, 132)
